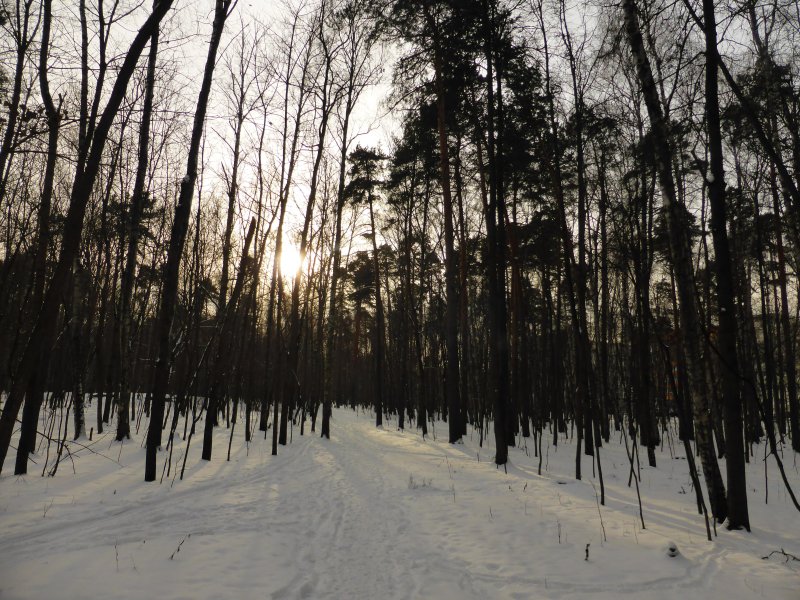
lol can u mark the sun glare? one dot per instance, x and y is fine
(290, 260)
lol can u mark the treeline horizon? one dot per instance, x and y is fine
(586, 220)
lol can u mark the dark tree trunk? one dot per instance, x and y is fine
(221, 361)
(35, 391)
(35, 358)
(731, 380)
(680, 251)
(452, 378)
(180, 225)
(496, 260)
(379, 322)
(121, 353)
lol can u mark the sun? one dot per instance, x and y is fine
(290, 260)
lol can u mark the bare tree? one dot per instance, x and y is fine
(180, 226)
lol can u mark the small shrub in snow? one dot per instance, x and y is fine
(413, 484)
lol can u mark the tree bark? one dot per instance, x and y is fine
(731, 379)
(180, 225)
(35, 359)
(452, 379)
(680, 251)
(124, 321)
(35, 391)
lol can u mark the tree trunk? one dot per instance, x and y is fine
(221, 360)
(731, 380)
(180, 225)
(35, 391)
(35, 358)
(452, 379)
(124, 321)
(680, 251)
(496, 265)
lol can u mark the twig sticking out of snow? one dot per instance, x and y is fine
(787, 555)
(178, 549)
(597, 500)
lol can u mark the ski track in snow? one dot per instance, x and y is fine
(380, 513)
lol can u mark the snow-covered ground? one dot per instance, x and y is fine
(379, 513)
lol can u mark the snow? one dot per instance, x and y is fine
(380, 513)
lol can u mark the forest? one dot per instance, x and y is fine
(540, 226)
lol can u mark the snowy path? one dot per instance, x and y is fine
(380, 514)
